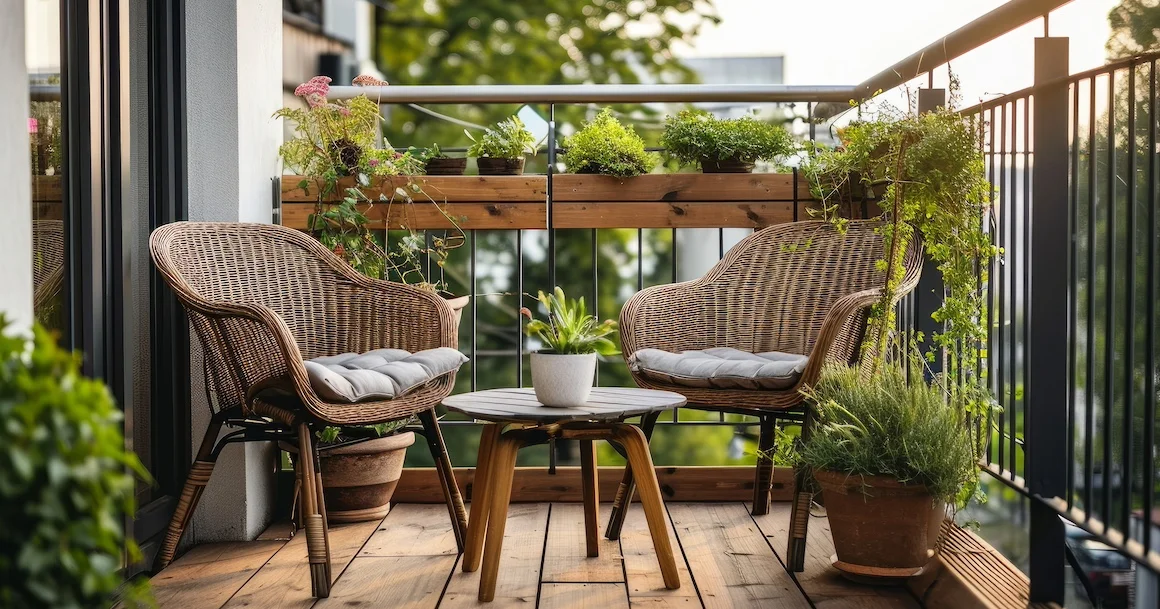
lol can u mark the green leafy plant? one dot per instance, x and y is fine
(507, 139)
(66, 481)
(338, 139)
(605, 146)
(885, 425)
(570, 330)
(331, 435)
(422, 155)
(694, 135)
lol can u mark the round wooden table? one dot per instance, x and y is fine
(602, 418)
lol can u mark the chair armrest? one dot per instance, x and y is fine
(664, 317)
(387, 314)
(841, 328)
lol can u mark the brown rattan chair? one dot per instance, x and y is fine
(262, 298)
(47, 263)
(800, 287)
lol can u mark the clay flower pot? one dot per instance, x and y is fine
(881, 527)
(445, 166)
(563, 381)
(490, 166)
(359, 479)
(457, 305)
(731, 165)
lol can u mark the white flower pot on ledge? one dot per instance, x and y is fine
(563, 381)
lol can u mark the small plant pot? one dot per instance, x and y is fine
(489, 166)
(563, 381)
(883, 529)
(725, 166)
(446, 167)
(358, 480)
(457, 305)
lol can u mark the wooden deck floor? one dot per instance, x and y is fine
(731, 559)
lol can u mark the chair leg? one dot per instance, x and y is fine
(627, 486)
(321, 502)
(443, 468)
(763, 476)
(316, 541)
(195, 483)
(799, 518)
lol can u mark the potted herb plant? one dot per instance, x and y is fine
(563, 371)
(889, 455)
(723, 145)
(892, 450)
(605, 146)
(66, 482)
(437, 163)
(501, 149)
(360, 467)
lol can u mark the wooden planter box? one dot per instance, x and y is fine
(679, 200)
(475, 202)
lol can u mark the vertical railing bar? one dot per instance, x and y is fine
(674, 236)
(520, 302)
(551, 240)
(1130, 313)
(991, 293)
(1089, 393)
(1109, 306)
(1000, 368)
(720, 243)
(1073, 292)
(1013, 205)
(1150, 332)
(473, 302)
(639, 259)
(596, 287)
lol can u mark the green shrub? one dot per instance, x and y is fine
(66, 481)
(885, 426)
(693, 135)
(606, 147)
(507, 139)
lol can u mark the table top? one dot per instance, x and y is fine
(605, 404)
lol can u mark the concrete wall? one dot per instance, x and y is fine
(15, 169)
(234, 71)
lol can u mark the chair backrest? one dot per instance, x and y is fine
(775, 287)
(47, 261)
(215, 263)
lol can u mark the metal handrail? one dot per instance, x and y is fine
(583, 94)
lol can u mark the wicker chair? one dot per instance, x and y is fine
(47, 263)
(799, 288)
(261, 299)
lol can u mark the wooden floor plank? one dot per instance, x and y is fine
(209, 574)
(583, 596)
(413, 530)
(730, 559)
(284, 582)
(565, 555)
(398, 582)
(646, 588)
(820, 581)
(519, 571)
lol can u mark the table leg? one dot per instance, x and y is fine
(502, 471)
(627, 486)
(481, 498)
(589, 487)
(639, 459)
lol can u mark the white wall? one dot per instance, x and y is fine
(234, 72)
(15, 169)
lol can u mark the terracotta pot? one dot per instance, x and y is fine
(725, 166)
(563, 381)
(489, 166)
(445, 166)
(881, 527)
(457, 305)
(359, 479)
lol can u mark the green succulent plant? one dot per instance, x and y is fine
(507, 139)
(605, 146)
(693, 135)
(570, 330)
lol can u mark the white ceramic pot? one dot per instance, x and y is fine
(563, 381)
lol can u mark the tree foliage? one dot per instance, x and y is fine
(1134, 25)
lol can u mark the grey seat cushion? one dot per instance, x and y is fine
(720, 368)
(382, 374)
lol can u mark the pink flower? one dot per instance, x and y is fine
(343, 110)
(526, 312)
(366, 80)
(314, 91)
(373, 162)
